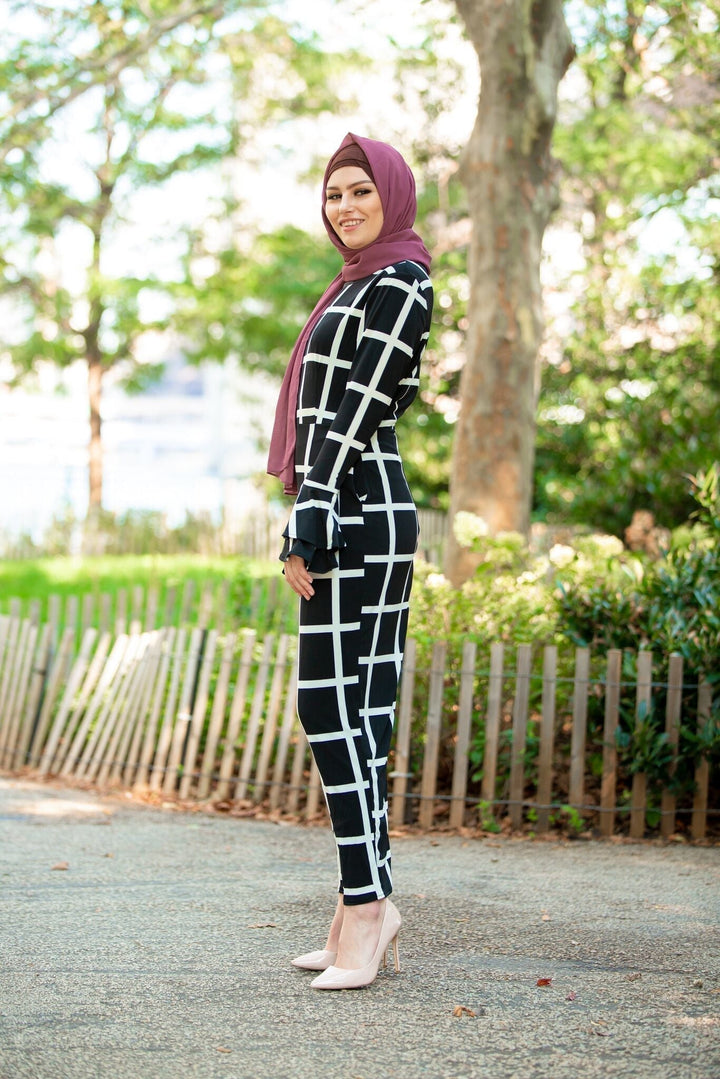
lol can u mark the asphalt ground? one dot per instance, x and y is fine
(162, 951)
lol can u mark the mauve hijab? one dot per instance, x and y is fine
(397, 241)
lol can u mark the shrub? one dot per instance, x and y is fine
(592, 594)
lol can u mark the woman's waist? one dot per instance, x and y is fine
(314, 432)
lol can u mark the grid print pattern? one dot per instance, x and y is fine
(355, 523)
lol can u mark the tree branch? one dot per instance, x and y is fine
(102, 70)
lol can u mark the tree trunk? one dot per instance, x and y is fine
(524, 50)
(95, 462)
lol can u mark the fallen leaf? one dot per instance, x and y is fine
(61, 865)
(545, 918)
(544, 981)
(108, 855)
(572, 995)
(461, 1009)
(633, 977)
(600, 1028)
(222, 1049)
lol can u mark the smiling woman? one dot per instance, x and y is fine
(352, 534)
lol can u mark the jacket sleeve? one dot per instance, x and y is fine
(392, 331)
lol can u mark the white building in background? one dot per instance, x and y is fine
(189, 444)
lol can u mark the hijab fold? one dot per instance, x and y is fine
(396, 242)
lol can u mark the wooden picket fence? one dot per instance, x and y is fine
(193, 713)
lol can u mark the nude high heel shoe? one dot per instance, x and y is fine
(339, 978)
(319, 960)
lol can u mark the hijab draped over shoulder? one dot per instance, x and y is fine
(396, 242)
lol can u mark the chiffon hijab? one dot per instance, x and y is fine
(396, 242)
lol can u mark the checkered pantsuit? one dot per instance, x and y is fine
(355, 524)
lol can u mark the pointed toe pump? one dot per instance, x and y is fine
(319, 960)
(340, 978)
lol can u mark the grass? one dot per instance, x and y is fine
(253, 587)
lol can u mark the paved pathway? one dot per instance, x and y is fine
(162, 952)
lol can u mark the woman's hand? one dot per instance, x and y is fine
(297, 576)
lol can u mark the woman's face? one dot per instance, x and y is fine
(353, 206)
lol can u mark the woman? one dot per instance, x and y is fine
(352, 534)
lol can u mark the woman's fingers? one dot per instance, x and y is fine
(297, 576)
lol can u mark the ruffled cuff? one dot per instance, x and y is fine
(306, 551)
(314, 534)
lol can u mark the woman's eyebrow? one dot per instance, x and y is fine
(355, 183)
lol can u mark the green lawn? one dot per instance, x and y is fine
(242, 591)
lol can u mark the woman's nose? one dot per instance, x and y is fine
(346, 200)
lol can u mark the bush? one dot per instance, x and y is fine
(592, 594)
(672, 605)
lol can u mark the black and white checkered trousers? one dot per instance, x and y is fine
(355, 524)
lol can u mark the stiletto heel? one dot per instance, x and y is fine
(319, 960)
(339, 978)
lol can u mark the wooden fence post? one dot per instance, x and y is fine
(11, 642)
(120, 612)
(672, 729)
(216, 717)
(105, 615)
(271, 717)
(152, 736)
(519, 734)
(72, 687)
(547, 738)
(184, 714)
(118, 729)
(258, 705)
(176, 648)
(103, 690)
(462, 735)
(11, 689)
(492, 723)
(237, 710)
(154, 666)
(432, 735)
(297, 769)
(576, 793)
(35, 688)
(11, 732)
(698, 825)
(88, 609)
(608, 789)
(642, 710)
(70, 739)
(198, 714)
(289, 721)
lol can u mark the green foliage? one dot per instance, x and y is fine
(253, 305)
(629, 402)
(106, 107)
(670, 607)
(257, 596)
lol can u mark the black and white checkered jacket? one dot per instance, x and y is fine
(360, 373)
